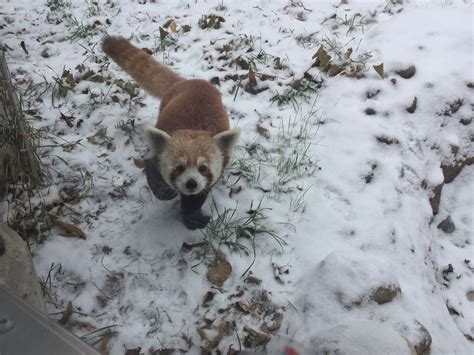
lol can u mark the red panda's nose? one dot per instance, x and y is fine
(191, 184)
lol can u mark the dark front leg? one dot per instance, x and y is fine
(193, 217)
(158, 185)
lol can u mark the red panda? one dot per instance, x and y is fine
(191, 143)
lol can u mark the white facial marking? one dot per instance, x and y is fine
(216, 168)
(185, 184)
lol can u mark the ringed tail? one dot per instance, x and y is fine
(152, 76)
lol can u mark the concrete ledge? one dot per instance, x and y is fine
(17, 272)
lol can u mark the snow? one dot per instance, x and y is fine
(358, 218)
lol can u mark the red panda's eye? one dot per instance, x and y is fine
(180, 168)
(202, 169)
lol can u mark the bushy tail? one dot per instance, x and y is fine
(152, 76)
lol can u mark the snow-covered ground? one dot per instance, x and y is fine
(331, 202)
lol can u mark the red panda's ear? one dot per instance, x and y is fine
(156, 138)
(227, 140)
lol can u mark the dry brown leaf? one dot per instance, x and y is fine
(104, 343)
(218, 274)
(262, 131)
(275, 325)
(333, 69)
(66, 314)
(255, 338)
(82, 325)
(208, 297)
(252, 78)
(253, 280)
(173, 26)
(235, 190)
(71, 230)
(212, 335)
(348, 53)
(322, 57)
(379, 70)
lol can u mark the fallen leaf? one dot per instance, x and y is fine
(208, 297)
(333, 69)
(255, 338)
(275, 325)
(218, 274)
(66, 314)
(212, 335)
(235, 190)
(104, 343)
(253, 280)
(173, 26)
(348, 53)
(163, 33)
(252, 79)
(242, 306)
(379, 69)
(322, 57)
(82, 325)
(69, 228)
(262, 131)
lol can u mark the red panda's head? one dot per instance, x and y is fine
(191, 161)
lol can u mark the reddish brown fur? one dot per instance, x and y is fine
(186, 104)
(147, 72)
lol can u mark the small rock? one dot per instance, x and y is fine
(412, 108)
(447, 225)
(215, 80)
(470, 85)
(385, 294)
(435, 198)
(465, 121)
(423, 346)
(253, 89)
(370, 111)
(45, 53)
(393, 81)
(372, 93)
(407, 73)
(470, 296)
(451, 171)
(453, 107)
(387, 140)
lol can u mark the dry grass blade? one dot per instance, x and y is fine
(20, 166)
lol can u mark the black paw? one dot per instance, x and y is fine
(195, 220)
(157, 184)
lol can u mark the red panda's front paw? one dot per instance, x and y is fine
(195, 220)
